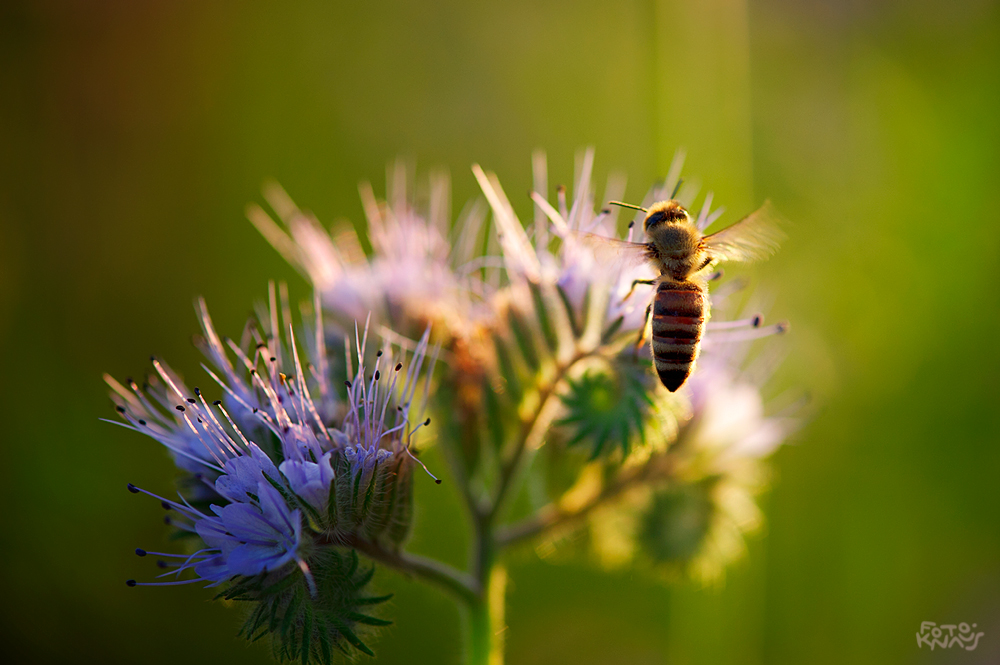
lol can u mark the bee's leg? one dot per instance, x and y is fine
(635, 283)
(642, 331)
(708, 260)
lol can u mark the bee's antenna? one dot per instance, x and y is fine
(677, 188)
(628, 205)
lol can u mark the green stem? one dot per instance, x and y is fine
(511, 469)
(658, 468)
(462, 585)
(485, 619)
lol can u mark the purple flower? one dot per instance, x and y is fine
(310, 481)
(255, 524)
(255, 535)
(252, 537)
(244, 473)
(260, 398)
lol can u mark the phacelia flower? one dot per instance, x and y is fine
(545, 393)
(697, 522)
(420, 272)
(351, 480)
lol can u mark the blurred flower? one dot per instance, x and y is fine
(419, 272)
(695, 522)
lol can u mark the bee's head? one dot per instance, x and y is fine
(666, 212)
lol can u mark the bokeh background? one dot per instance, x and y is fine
(132, 134)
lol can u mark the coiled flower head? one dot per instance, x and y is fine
(278, 491)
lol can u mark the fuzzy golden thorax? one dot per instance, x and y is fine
(675, 240)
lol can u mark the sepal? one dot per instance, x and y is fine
(312, 621)
(608, 407)
(673, 529)
(372, 496)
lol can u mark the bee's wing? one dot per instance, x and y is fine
(614, 251)
(754, 237)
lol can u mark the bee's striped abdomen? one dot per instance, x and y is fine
(677, 324)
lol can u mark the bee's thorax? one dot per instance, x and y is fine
(677, 246)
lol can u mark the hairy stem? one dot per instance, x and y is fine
(553, 515)
(484, 619)
(511, 468)
(462, 585)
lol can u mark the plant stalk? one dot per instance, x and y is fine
(485, 619)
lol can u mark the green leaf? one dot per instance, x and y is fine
(522, 338)
(307, 624)
(611, 330)
(508, 373)
(371, 621)
(570, 314)
(351, 637)
(290, 613)
(542, 314)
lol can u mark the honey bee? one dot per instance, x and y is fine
(682, 254)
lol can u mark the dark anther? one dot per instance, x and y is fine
(378, 375)
(253, 372)
(255, 409)
(197, 390)
(399, 408)
(606, 211)
(379, 354)
(130, 582)
(120, 409)
(140, 552)
(161, 563)
(200, 420)
(756, 321)
(273, 359)
(166, 506)
(191, 400)
(142, 422)
(152, 359)
(179, 407)
(167, 520)
(217, 402)
(631, 224)
(427, 422)
(437, 480)
(261, 345)
(133, 489)
(347, 383)
(399, 366)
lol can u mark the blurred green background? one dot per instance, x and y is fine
(132, 134)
